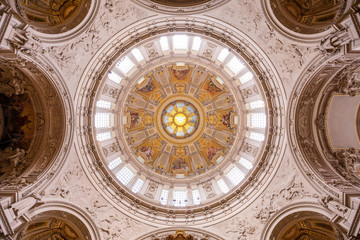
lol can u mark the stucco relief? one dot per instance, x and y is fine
(239, 228)
(26, 118)
(289, 57)
(293, 55)
(73, 56)
(180, 6)
(74, 186)
(344, 82)
(286, 187)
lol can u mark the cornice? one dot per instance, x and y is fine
(218, 31)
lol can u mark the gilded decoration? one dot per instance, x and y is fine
(30, 116)
(180, 235)
(173, 124)
(311, 229)
(180, 119)
(51, 229)
(307, 17)
(54, 225)
(180, 3)
(53, 16)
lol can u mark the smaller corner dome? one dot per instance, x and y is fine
(180, 3)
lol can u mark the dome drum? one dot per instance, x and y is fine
(156, 169)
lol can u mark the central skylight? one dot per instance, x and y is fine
(180, 119)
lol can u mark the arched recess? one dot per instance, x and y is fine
(36, 131)
(311, 113)
(181, 6)
(117, 48)
(179, 233)
(304, 20)
(52, 21)
(306, 220)
(57, 220)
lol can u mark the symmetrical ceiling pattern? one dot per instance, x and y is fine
(217, 119)
(189, 120)
(179, 122)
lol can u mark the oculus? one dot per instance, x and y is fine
(180, 119)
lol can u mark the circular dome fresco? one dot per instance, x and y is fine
(180, 125)
(179, 121)
(177, 131)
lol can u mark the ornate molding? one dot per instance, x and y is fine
(169, 8)
(63, 210)
(54, 149)
(314, 156)
(209, 28)
(184, 233)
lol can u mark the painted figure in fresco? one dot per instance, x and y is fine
(226, 119)
(18, 121)
(211, 152)
(52, 12)
(180, 74)
(134, 119)
(212, 88)
(180, 164)
(148, 151)
(149, 87)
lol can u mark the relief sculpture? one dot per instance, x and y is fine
(53, 16)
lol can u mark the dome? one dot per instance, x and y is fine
(187, 131)
(180, 3)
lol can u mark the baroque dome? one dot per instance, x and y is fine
(156, 119)
(179, 132)
(180, 121)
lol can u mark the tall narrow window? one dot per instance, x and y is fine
(196, 44)
(125, 65)
(180, 42)
(246, 77)
(180, 197)
(164, 44)
(125, 175)
(114, 163)
(235, 175)
(164, 196)
(137, 54)
(196, 196)
(102, 120)
(258, 120)
(257, 136)
(235, 65)
(246, 163)
(223, 54)
(222, 185)
(114, 77)
(103, 136)
(137, 186)
(103, 104)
